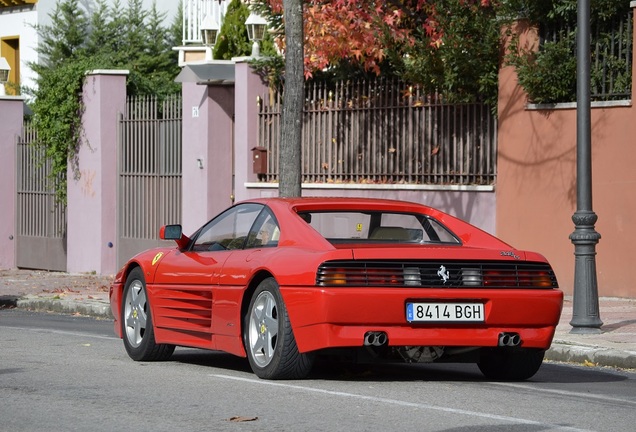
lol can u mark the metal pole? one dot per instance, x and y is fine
(585, 315)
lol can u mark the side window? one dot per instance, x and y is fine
(265, 232)
(229, 230)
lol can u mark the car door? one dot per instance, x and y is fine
(185, 282)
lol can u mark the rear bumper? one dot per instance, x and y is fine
(340, 317)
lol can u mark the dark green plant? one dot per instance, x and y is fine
(233, 40)
(549, 75)
(465, 66)
(57, 118)
(111, 37)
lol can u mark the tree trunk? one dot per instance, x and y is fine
(290, 175)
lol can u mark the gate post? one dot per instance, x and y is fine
(12, 114)
(249, 87)
(92, 198)
(207, 152)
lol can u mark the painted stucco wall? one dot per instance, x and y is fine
(92, 197)
(11, 113)
(21, 22)
(536, 184)
(207, 153)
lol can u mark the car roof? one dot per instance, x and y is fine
(470, 235)
(341, 203)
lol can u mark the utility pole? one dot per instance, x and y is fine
(585, 315)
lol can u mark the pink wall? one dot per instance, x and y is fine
(248, 87)
(207, 136)
(92, 209)
(12, 111)
(536, 184)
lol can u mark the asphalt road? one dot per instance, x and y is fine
(66, 373)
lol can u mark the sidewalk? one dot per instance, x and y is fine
(87, 294)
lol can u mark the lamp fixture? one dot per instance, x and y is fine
(209, 29)
(256, 26)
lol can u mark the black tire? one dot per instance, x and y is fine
(504, 364)
(136, 322)
(268, 337)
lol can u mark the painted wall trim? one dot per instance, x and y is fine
(363, 186)
(108, 72)
(572, 105)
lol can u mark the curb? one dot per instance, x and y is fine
(98, 309)
(591, 356)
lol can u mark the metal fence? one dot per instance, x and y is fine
(41, 219)
(385, 132)
(149, 165)
(611, 51)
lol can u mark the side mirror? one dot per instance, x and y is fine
(174, 232)
(170, 232)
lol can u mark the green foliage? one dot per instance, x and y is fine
(549, 75)
(57, 118)
(464, 67)
(64, 38)
(111, 37)
(233, 40)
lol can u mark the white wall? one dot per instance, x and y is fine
(21, 24)
(21, 21)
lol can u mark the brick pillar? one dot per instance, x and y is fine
(11, 115)
(92, 198)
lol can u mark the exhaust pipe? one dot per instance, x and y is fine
(509, 339)
(375, 338)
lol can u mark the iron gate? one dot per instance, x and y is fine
(149, 172)
(41, 219)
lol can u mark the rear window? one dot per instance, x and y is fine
(378, 227)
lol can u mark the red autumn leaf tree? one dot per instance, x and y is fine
(361, 30)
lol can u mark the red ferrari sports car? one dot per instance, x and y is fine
(280, 281)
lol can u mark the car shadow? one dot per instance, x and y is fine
(206, 358)
(328, 370)
(550, 373)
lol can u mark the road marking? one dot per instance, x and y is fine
(402, 403)
(567, 393)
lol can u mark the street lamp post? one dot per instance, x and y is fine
(585, 312)
(209, 29)
(256, 26)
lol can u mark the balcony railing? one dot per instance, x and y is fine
(193, 13)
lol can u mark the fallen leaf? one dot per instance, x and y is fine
(239, 419)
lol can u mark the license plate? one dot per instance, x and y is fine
(450, 312)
